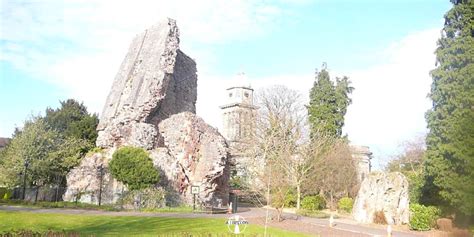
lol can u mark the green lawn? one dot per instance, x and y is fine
(87, 225)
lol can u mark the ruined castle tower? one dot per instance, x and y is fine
(151, 105)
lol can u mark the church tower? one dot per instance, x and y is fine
(239, 112)
(238, 115)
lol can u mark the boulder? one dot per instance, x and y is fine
(382, 192)
(151, 105)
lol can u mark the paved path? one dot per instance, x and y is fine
(343, 224)
(343, 227)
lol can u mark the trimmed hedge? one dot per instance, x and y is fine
(313, 203)
(345, 204)
(423, 217)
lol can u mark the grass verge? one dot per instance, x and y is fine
(87, 225)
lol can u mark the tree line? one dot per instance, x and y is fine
(440, 166)
(42, 152)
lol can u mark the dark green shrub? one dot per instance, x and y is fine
(313, 203)
(423, 217)
(416, 182)
(133, 167)
(345, 204)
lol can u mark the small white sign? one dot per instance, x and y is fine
(194, 189)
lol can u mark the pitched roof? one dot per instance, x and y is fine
(4, 141)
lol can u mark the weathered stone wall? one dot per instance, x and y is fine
(83, 181)
(181, 92)
(196, 154)
(383, 192)
(155, 80)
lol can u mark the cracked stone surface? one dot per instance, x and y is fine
(152, 105)
(84, 180)
(383, 192)
(200, 156)
(155, 81)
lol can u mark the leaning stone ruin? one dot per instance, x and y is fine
(386, 193)
(152, 105)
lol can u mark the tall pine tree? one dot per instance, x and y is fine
(450, 142)
(328, 104)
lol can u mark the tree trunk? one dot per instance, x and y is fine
(121, 199)
(332, 201)
(56, 194)
(279, 213)
(36, 194)
(58, 183)
(298, 197)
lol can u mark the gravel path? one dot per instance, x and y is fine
(313, 226)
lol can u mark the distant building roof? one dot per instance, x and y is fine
(4, 142)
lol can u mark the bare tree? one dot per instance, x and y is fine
(281, 158)
(304, 165)
(411, 156)
(410, 163)
(334, 172)
(274, 144)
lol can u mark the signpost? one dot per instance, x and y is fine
(101, 175)
(194, 191)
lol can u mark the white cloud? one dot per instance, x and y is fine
(389, 100)
(79, 45)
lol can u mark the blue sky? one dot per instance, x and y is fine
(54, 50)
